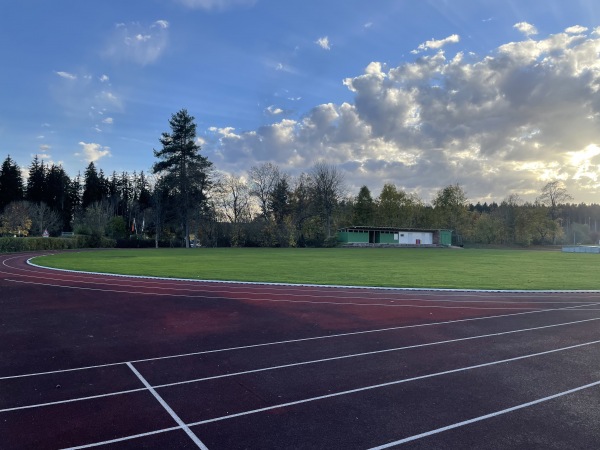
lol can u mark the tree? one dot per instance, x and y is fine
(15, 219)
(489, 229)
(186, 172)
(394, 207)
(233, 200)
(279, 200)
(95, 188)
(327, 184)
(450, 204)
(364, 207)
(61, 194)
(43, 219)
(301, 205)
(36, 182)
(553, 194)
(263, 180)
(11, 183)
(280, 203)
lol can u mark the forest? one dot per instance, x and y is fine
(186, 202)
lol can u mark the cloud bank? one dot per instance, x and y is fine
(498, 124)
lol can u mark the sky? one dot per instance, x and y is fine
(500, 96)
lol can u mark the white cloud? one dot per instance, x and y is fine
(502, 123)
(273, 110)
(161, 24)
(66, 75)
(577, 29)
(92, 152)
(216, 5)
(104, 78)
(323, 42)
(138, 43)
(437, 43)
(108, 120)
(44, 147)
(526, 28)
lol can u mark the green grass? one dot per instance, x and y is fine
(435, 268)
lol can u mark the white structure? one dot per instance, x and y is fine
(581, 249)
(414, 237)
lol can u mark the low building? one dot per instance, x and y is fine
(394, 236)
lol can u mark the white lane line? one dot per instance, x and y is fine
(167, 408)
(390, 383)
(272, 300)
(235, 286)
(375, 352)
(338, 394)
(292, 341)
(71, 400)
(136, 283)
(302, 363)
(484, 417)
(126, 438)
(334, 286)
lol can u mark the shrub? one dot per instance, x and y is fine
(12, 244)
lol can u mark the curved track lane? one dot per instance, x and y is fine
(127, 362)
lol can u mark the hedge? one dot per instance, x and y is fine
(12, 244)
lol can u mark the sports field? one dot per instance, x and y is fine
(410, 267)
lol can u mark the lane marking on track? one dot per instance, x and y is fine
(218, 294)
(200, 296)
(140, 280)
(126, 438)
(390, 383)
(302, 363)
(72, 400)
(167, 408)
(484, 417)
(335, 286)
(527, 293)
(353, 391)
(291, 341)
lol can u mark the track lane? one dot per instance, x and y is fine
(63, 326)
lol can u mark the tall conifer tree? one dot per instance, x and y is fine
(186, 172)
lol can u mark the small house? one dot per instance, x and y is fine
(391, 236)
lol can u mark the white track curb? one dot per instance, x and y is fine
(332, 286)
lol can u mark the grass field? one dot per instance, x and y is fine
(435, 268)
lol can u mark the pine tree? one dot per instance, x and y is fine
(36, 182)
(93, 189)
(11, 183)
(185, 171)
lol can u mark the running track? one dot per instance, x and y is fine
(92, 361)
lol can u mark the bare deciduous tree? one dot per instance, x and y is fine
(553, 194)
(328, 189)
(263, 180)
(232, 199)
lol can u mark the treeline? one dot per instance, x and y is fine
(186, 202)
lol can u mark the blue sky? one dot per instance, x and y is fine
(499, 96)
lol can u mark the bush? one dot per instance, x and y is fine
(12, 244)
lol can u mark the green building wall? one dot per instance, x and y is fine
(445, 237)
(361, 237)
